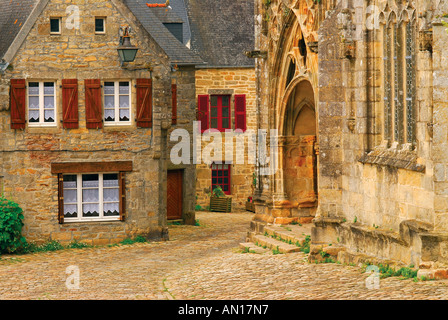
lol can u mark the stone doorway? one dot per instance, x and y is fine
(299, 151)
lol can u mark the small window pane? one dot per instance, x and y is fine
(34, 116)
(214, 112)
(49, 115)
(49, 102)
(49, 88)
(110, 180)
(70, 195)
(124, 115)
(109, 88)
(33, 88)
(109, 114)
(111, 209)
(90, 181)
(124, 101)
(225, 101)
(90, 195)
(99, 24)
(90, 210)
(55, 25)
(124, 87)
(33, 102)
(226, 123)
(225, 112)
(110, 195)
(109, 102)
(214, 123)
(214, 101)
(70, 210)
(70, 181)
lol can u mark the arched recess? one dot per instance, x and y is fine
(299, 163)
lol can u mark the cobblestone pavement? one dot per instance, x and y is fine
(199, 262)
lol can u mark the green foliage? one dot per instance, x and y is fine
(11, 223)
(138, 239)
(218, 193)
(79, 245)
(198, 208)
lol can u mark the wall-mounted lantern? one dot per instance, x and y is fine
(126, 51)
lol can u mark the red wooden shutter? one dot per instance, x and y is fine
(203, 111)
(17, 103)
(61, 198)
(240, 112)
(144, 103)
(70, 103)
(94, 114)
(121, 182)
(174, 103)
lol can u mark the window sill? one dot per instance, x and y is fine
(68, 221)
(400, 157)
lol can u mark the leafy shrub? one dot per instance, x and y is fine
(11, 224)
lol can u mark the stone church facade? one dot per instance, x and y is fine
(357, 91)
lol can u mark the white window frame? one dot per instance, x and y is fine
(104, 25)
(60, 25)
(117, 95)
(79, 203)
(42, 96)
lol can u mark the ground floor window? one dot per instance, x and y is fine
(221, 177)
(91, 196)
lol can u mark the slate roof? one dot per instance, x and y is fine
(13, 14)
(177, 51)
(221, 30)
(179, 10)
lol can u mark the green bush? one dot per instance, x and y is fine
(11, 224)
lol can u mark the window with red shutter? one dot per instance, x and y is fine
(70, 103)
(240, 112)
(17, 103)
(203, 112)
(94, 114)
(144, 103)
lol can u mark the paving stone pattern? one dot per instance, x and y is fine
(199, 262)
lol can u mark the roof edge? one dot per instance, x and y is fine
(23, 33)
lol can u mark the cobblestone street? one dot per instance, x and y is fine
(199, 262)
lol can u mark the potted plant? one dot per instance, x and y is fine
(219, 202)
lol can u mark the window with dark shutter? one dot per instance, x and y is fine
(240, 112)
(17, 103)
(94, 116)
(144, 103)
(174, 103)
(90, 191)
(70, 103)
(203, 111)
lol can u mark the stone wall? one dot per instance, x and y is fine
(229, 81)
(27, 154)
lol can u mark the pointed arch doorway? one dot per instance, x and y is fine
(299, 154)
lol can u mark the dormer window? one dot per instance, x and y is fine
(176, 30)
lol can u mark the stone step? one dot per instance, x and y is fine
(273, 244)
(252, 248)
(294, 234)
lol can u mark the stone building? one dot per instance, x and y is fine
(226, 96)
(225, 87)
(372, 75)
(84, 143)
